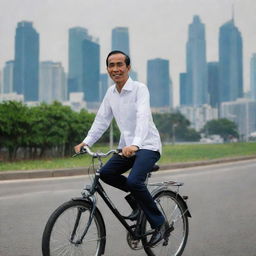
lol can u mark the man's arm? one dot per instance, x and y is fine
(101, 122)
(142, 121)
(142, 116)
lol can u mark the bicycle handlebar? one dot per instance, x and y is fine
(87, 150)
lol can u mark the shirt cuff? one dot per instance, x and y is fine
(137, 142)
(88, 141)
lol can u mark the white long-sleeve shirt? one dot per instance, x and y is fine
(131, 110)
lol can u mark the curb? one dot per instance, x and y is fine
(33, 174)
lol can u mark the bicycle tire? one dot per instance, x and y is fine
(56, 240)
(175, 211)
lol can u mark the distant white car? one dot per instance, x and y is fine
(212, 139)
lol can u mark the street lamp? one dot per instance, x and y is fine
(173, 132)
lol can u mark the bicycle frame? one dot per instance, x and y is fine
(88, 194)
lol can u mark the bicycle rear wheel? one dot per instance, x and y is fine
(174, 210)
(64, 229)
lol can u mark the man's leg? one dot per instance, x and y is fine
(111, 172)
(144, 162)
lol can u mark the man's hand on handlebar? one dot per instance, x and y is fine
(78, 147)
(129, 150)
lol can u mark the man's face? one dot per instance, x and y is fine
(117, 69)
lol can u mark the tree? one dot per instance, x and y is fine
(79, 125)
(223, 127)
(15, 126)
(175, 126)
(50, 127)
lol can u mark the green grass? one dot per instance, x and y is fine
(171, 154)
(196, 152)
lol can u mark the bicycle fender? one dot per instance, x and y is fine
(155, 192)
(84, 199)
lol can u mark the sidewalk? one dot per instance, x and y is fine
(32, 174)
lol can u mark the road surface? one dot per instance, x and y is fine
(222, 201)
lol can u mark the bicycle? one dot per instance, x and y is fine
(77, 226)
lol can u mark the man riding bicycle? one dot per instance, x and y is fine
(128, 102)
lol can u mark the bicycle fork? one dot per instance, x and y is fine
(78, 218)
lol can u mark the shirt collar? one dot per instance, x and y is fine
(127, 86)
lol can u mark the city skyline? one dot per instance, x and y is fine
(160, 32)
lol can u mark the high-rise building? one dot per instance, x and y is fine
(104, 82)
(230, 62)
(120, 39)
(26, 63)
(75, 58)
(253, 77)
(84, 64)
(159, 83)
(213, 83)
(242, 112)
(183, 89)
(121, 42)
(196, 64)
(91, 69)
(1, 82)
(53, 85)
(8, 76)
(198, 116)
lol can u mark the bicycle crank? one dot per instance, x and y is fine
(134, 244)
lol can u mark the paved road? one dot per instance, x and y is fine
(222, 199)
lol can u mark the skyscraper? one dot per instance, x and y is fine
(8, 76)
(242, 112)
(53, 84)
(253, 77)
(230, 62)
(104, 81)
(75, 58)
(26, 63)
(121, 42)
(1, 82)
(91, 69)
(213, 83)
(120, 39)
(159, 83)
(196, 64)
(183, 89)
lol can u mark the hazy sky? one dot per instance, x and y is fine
(158, 28)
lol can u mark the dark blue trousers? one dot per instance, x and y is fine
(140, 165)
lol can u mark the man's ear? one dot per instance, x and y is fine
(129, 67)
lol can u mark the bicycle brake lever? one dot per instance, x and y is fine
(82, 151)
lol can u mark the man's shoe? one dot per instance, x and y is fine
(158, 234)
(134, 215)
(132, 202)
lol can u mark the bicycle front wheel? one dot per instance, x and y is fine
(64, 231)
(174, 210)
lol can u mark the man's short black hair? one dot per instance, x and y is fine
(127, 58)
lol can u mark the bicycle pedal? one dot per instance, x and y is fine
(165, 243)
(170, 229)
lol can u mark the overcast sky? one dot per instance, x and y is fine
(158, 28)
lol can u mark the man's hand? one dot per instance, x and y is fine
(78, 147)
(129, 150)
